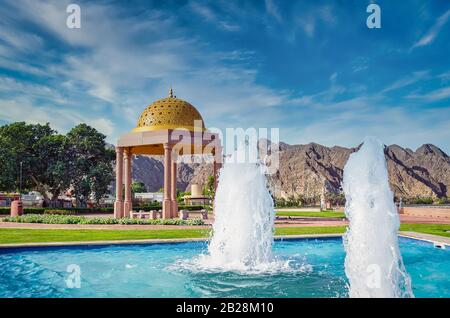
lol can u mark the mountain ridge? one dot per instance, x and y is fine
(305, 169)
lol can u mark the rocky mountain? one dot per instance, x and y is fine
(307, 169)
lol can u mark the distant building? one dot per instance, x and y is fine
(32, 199)
(149, 196)
(7, 198)
(108, 200)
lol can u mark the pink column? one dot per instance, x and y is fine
(118, 205)
(173, 184)
(128, 204)
(167, 203)
(217, 165)
(218, 158)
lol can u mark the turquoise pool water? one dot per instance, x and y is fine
(160, 270)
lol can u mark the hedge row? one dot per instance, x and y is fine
(71, 211)
(73, 219)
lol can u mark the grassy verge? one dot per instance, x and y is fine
(316, 214)
(310, 230)
(54, 235)
(435, 229)
(45, 235)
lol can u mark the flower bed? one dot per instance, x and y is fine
(75, 219)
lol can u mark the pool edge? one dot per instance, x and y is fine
(434, 239)
(150, 241)
(437, 241)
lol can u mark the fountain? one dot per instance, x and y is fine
(373, 264)
(244, 217)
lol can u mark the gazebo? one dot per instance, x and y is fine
(170, 127)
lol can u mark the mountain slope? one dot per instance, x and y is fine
(307, 169)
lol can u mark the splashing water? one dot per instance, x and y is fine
(373, 263)
(244, 218)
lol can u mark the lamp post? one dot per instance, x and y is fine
(20, 180)
(16, 206)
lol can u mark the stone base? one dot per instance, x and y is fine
(174, 209)
(127, 207)
(118, 209)
(167, 209)
(16, 208)
(184, 214)
(153, 215)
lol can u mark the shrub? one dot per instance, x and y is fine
(419, 200)
(148, 207)
(443, 200)
(5, 210)
(59, 212)
(74, 219)
(193, 207)
(65, 211)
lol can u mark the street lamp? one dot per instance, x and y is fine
(20, 180)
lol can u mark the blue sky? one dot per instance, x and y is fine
(311, 68)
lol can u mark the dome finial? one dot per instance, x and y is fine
(171, 92)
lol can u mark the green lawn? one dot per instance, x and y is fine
(310, 230)
(435, 229)
(44, 235)
(317, 214)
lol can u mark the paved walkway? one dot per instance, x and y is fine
(12, 225)
(423, 220)
(279, 222)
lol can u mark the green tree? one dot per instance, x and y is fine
(53, 159)
(7, 165)
(101, 177)
(138, 187)
(209, 189)
(91, 171)
(21, 143)
(52, 163)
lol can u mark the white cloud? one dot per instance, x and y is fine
(60, 118)
(18, 66)
(432, 33)
(359, 118)
(10, 86)
(406, 81)
(445, 77)
(118, 65)
(333, 77)
(19, 40)
(360, 64)
(208, 14)
(307, 21)
(272, 10)
(433, 96)
(126, 64)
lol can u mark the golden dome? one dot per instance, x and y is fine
(169, 113)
